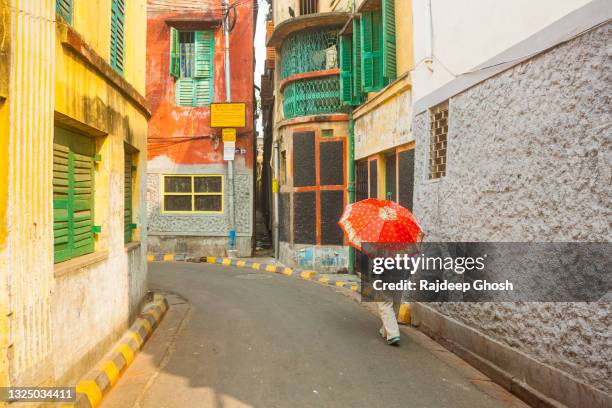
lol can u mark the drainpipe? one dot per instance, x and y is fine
(275, 188)
(231, 250)
(351, 182)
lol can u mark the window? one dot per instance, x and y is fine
(128, 188)
(309, 7)
(191, 63)
(64, 9)
(73, 195)
(351, 89)
(378, 47)
(193, 193)
(117, 42)
(438, 135)
(283, 167)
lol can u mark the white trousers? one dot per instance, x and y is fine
(387, 314)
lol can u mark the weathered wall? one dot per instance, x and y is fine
(26, 245)
(166, 230)
(5, 66)
(167, 155)
(169, 120)
(529, 160)
(385, 125)
(108, 292)
(315, 218)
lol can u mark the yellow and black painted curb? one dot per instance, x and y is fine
(99, 381)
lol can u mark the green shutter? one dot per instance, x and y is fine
(64, 9)
(371, 67)
(82, 205)
(61, 198)
(204, 73)
(346, 79)
(184, 92)
(175, 57)
(127, 212)
(389, 45)
(202, 91)
(203, 54)
(73, 195)
(357, 84)
(117, 57)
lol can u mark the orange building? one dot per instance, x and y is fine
(189, 191)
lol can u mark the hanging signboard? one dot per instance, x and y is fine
(228, 134)
(229, 150)
(228, 115)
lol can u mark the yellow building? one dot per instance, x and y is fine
(73, 126)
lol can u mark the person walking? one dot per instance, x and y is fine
(376, 227)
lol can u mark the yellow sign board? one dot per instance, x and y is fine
(228, 134)
(228, 115)
(274, 185)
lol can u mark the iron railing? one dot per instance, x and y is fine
(308, 51)
(312, 97)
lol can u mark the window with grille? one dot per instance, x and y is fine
(361, 178)
(309, 7)
(117, 38)
(73, 195)
(129, 168)
(438, 136)
(64, 9)
(193, 193)
(191, 63)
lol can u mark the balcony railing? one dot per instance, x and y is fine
(308, 51)
(312, 97)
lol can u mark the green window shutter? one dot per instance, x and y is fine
(82, 205)
(203, 54)
(64, 9)
(73, 195)
(127, 212)
(204, 73)
(202, 91)
(61, 199)
(357, 84)
(389, 41)
(184, 92)
(117, 57)
(346, 78)
(175, 57)
(371, 66)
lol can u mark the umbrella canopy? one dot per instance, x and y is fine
(385, 224)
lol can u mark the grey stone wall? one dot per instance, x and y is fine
(200, 224)
(529, 155)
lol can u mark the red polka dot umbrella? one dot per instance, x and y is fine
(383, 223)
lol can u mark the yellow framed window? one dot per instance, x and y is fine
(192, 193)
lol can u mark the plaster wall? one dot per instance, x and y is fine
(5, 66)
(384, 127)
(105, 295)
(528, 155)
(175, 233)
(26, 240)
(466, 34)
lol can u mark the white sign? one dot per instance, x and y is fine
(229, 150)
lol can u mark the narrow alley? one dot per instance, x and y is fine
(242, 338)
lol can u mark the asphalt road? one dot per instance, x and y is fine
(239, 338)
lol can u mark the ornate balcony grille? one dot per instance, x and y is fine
(312, 97)
(307, 51)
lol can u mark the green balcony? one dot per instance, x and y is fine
(312, 97)
(309, 70)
